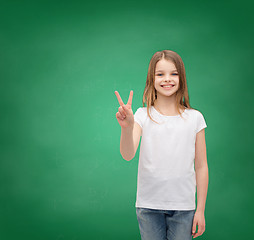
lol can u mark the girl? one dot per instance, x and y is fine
(173, 135)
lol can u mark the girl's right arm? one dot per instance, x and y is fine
(129, 142)
(130, 131)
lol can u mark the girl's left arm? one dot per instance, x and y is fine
(201, 169)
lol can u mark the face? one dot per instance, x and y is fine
(166, 74)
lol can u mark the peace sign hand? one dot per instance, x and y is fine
(125, 115)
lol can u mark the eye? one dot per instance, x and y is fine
(159, 74)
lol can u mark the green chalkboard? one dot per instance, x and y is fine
(61, 172)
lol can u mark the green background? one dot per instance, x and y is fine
(61, 172)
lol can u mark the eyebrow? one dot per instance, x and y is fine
(162, 71)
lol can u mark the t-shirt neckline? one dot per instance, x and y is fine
(166, 115)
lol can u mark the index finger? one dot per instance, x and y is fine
(130, 98)
(119, 98)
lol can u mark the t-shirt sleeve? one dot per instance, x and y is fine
(139, 117)
(201, 123)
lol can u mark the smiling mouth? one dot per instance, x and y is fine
(167, 86)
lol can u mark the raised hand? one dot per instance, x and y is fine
(125, 115)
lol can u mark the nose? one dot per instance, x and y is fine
(167, 77)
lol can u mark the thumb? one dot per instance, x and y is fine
(194, 227)
(125, 109)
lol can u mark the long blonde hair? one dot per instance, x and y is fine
(150, 93)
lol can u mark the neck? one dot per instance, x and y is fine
(166, 105)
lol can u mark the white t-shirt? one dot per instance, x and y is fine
(166, 175)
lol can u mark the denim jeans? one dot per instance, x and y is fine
(155, 224)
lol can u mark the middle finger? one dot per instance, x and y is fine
(119, 98)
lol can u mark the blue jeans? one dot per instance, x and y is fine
(155, 224)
